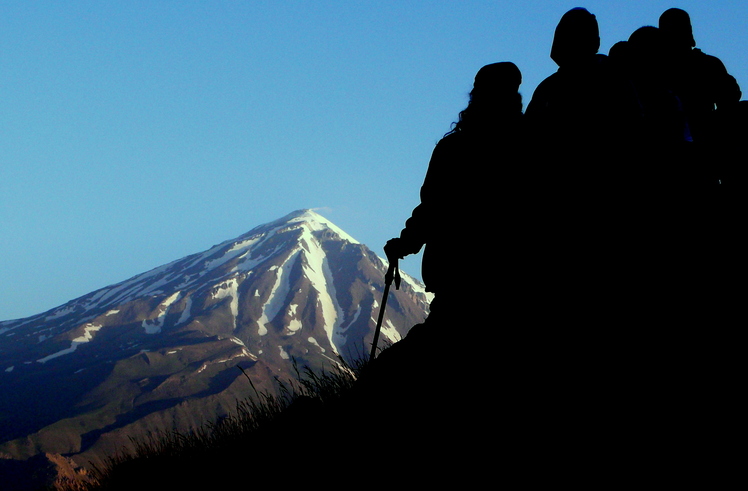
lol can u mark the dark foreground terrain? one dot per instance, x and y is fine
(577, 407)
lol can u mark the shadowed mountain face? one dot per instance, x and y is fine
(161, 349)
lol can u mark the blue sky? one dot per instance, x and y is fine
(135, 133)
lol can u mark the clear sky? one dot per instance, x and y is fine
(134, 133)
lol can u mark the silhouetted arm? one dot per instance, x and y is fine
(423, 221)
(723, 87)
(726, 91)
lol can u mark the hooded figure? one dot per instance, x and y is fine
(586, 136)
(577, 38)
(585, 108)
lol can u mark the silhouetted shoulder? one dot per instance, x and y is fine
(444, 151)
(542, 96)
(449, 142)
(710, 63)
(727, 85)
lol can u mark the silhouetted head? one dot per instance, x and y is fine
(645, 35)
(577, 38)
(645, 51)
(646, 41)
(497, 80)
(619, 55)
(619, 50)
(495, 97)
(676, 28)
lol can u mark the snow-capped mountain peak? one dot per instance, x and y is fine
(295, 291)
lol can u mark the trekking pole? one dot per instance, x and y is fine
(393, 271)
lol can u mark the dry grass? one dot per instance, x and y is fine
(224, 436)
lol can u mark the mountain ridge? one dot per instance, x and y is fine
(161, 348)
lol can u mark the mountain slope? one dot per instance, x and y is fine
(160, 350)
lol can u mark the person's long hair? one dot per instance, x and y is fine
(476, 114)
(494, 100)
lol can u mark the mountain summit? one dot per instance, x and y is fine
(160, 350)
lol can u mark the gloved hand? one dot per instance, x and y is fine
(395, 248)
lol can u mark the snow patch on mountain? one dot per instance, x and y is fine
(294, 324)
(340, 334)
(244, 353)
(389, 331)
(317, 270)
(315, 343)
(229, 288)
(187, 312)
(278, 293)
(153, 326)
(68, 309)
(239, 249)
(87, 336)
(138, 286)
(316, 223)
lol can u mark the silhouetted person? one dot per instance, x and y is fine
(470, 169)
(585, 110)
(665, 122)
(701, 81)
(463, 201)
(701, 249)
(492, 259)
(665, 136)
(712, 210)
(585, 126)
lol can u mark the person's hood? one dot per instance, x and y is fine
(577, 38)
(675, 25)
